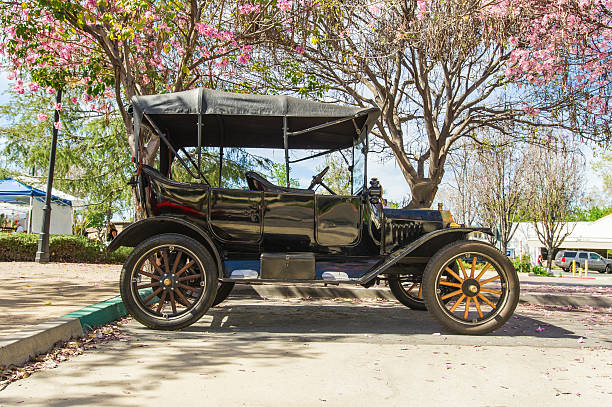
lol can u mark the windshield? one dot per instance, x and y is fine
(359, 166)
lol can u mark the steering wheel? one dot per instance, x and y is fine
(317, 179)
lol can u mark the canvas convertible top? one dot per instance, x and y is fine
(246, 120)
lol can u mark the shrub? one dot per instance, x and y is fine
(541, 271)
(63, 248)
(522, 264)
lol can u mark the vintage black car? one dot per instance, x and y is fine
(197, 240)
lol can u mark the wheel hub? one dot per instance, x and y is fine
(470, 287)
(168, 281)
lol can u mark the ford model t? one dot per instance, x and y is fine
(197, 240)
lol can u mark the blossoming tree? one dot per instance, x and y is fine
(115, 49)
(563, 46)
(439, 70)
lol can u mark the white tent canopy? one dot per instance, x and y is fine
(24, 204)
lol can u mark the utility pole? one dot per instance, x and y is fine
(42, 255)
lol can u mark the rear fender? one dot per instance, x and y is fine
(139, 231)
(425, 247)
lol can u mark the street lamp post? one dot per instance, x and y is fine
(42, 255)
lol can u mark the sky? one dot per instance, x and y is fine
(388, 173)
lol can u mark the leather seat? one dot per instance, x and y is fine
(258, 183)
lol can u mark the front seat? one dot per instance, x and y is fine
(258, 183)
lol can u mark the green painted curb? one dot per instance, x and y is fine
(100, 313)
(103, 312)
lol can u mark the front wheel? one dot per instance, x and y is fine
(168, 282)
(485, 287)
(223, 290)
(609, 269)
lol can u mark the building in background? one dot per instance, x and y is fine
(593, 236)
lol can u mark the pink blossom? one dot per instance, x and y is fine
(58, 106)
(42, 117)
(74, 100)
(248, 8)
(284, 5)
(34, 87)
(58, 125)
(376, 8)
(19, 89)
(50, 90)
(300, 50)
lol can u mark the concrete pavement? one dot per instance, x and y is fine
(33, 296)
(337, 353)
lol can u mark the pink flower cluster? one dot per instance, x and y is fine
(248, 8)
(284, 5)
(561, 41)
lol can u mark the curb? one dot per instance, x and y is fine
(296, 292)
(40, 338)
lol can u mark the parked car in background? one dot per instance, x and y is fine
(565, 258)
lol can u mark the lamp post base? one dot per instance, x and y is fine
(42, 255)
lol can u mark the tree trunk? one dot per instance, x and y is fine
(423, 192)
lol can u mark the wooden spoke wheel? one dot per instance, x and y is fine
(470, 287)
(168, 282)
(409, 291)
(223, 291)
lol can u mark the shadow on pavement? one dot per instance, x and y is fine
(349, 320)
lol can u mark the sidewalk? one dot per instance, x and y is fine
(32, 293)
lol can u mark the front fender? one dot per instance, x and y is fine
(139, 231)
(426, 245)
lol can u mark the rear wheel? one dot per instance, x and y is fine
(485, 287)
(609, 269)
(408, 291)
(168, 282)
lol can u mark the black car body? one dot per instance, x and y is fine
(271, 233)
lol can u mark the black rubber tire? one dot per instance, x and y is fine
(609, 269)
(435, 267)
(202, 256)
(224, 289)
(402, 296)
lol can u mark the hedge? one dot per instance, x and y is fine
(63, 248)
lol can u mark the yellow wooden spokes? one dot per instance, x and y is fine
(452, 273)
(459, 301)
(485, 299)
(473, 267)
(411, 288)
(488, 280)
(462, 268)
(467, 308)
(484, 270)
(477, 304)
(449, 295)
(488, 290)
(476, 300)
(448, 283)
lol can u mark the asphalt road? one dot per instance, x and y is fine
(338, 353)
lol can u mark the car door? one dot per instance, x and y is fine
(596, 262)
(338, 220)
(235, 215)
(582, 256)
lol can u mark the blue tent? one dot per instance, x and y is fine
(15, 192)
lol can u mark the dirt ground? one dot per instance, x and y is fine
(31, 293)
